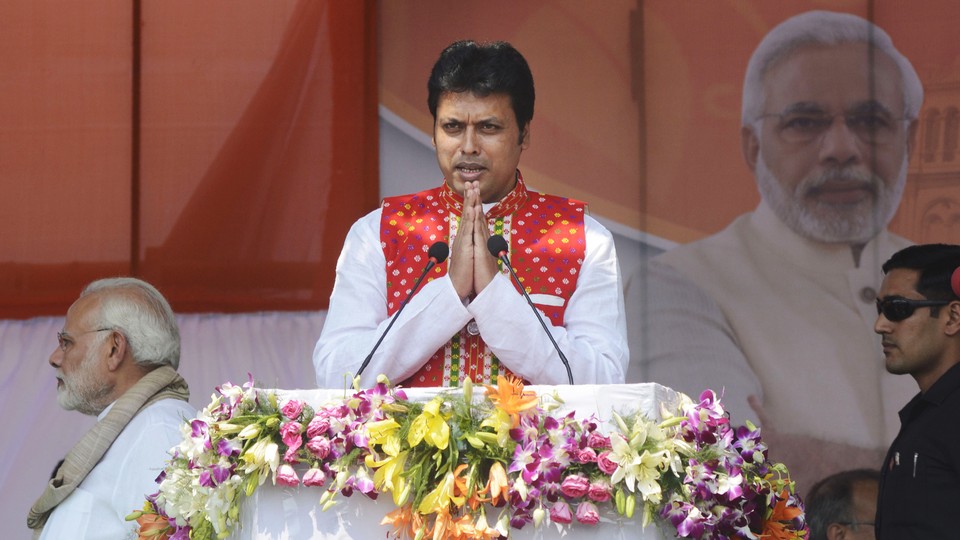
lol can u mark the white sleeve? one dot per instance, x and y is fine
(688, 344)
(593, 336)
(141, 451)
(357, 316)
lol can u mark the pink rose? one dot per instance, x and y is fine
(574, 486)
(596, 440)
(599, 491)
(319, 446)
(586, 455)
(314, 477)
(587, 513)
(286, 476)
(318, 426)
(290, 433)
(292, 409)
(560, 513)
(290, 456)
(605, 464)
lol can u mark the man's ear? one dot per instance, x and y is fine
(750, 146)
(118, 349)
(836, 531)
(952, 319)
(525, 137)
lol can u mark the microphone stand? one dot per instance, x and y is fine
(498, 248)
(438, 253)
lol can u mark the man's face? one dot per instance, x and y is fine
(864, 512)
(830, 151)
(82, 379)
(916, 345)
(478, 139)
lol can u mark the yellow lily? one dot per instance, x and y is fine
(386, 434)
(441, 497)
(431, 426)
(388, 476)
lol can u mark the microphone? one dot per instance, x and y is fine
(437, 254)
(498, 248)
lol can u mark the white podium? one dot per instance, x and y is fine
(285, 513)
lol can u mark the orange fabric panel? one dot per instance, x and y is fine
(264, 213)
(64, 149)
(258, 149)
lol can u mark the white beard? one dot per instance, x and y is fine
(83, 391)
(832, 223)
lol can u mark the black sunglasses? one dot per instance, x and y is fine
(897, 308)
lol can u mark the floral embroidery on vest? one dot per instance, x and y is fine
(547, 243)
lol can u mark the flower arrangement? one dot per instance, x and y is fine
(462, 468)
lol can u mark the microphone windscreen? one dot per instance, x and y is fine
(439, 252)
(497, 245)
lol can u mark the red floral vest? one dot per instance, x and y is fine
(547, 243)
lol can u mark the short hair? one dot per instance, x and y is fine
(144, 317)
(823, 28)
(483, 69)
(936, 264)
(831, 500)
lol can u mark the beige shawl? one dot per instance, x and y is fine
(161, 383)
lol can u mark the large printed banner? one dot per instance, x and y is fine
(639, 109)
(638, 103)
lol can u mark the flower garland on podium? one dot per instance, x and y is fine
(457, 467)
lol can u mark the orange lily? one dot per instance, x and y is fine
(405, 521)
(475, 494)
(442, 524)
(468, 530)
(153, 527)
(510, 397)
(400, 519)
(497, 482)
(775, 526)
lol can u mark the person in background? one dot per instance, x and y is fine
(116, 359)
(919, 326)
(468, 319)
(776, 311)
(842, 506)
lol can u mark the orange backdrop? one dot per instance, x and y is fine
(218, 149)
(221, 149)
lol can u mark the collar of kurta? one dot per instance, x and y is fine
(803, 252)
(511, 203)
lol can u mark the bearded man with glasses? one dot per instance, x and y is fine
(919, 325)
(116, 359)
(776, 311)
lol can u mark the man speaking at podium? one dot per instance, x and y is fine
(468, 318)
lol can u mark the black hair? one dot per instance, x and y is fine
(936, 264)
(483, 69)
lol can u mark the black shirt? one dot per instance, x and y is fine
(920, 478)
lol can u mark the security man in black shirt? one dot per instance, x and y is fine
(919, 323)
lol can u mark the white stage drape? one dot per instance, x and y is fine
(275, 347)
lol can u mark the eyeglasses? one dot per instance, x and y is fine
(65, 340)
(897, 308)
(871, 127)
(855, 523)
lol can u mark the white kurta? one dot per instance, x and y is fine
(759, 310)
(124, 477)
(593, 336)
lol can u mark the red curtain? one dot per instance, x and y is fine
(219, 150)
